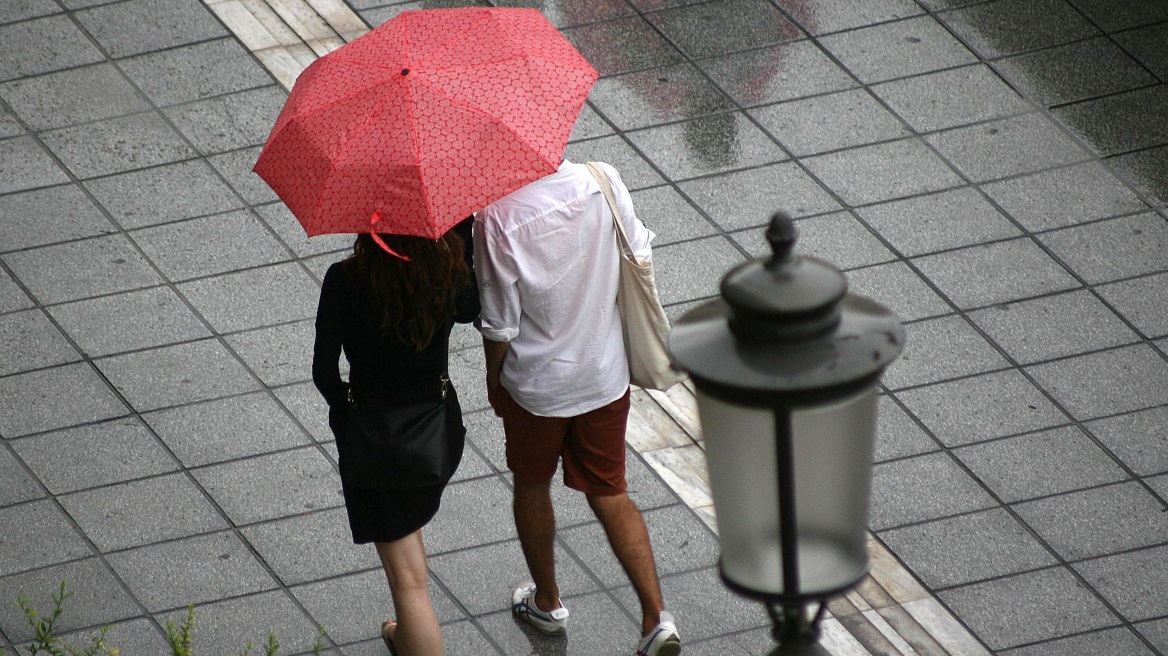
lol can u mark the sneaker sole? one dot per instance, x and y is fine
(672, 647)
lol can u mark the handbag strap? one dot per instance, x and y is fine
(621, 237)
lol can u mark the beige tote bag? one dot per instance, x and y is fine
(643, 320)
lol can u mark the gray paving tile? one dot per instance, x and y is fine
(871, 174)
(164, 377)
(922, 488)
(280, 219)
(702, 146)
(704, 608)
(467, 371)
(1006, 147)
(98, 598)
(1138, 439)
(24, 164)
(31, 341)
(278, 355)
(1077, 71)
(758, 193)
(55, 541)
(589, 125)
(673, 93)
(897, 435)
(565, 14)
(29, 403)
(748, 643)
(81, 269)
(670, 216)
(782, 72)
(115, 451)
(12, 298)
(1142, 301)
(44, 216)
(898, 288)
(1010, 26)
(228, 122)
(1145, 45)
(830, 122)
(839, 15)
(1113, 249)
(692, 269)
(226, 627)
(836, 238)
(634, 169)
(1120, 123)
(898, 49)
(272, 486)
(598, 627)
(311, 547)
(17, 483)
(118, 144)
(128, 321)
(941, 349)
(967, 548)
(42, 45)
(1064, 197)
(131, 28)
(1106, 383)
(254, 298)
(9, 127)
(1017, 610)
(1040, 464)
(1109, 641)
(172, 575)
(1156, 632)
(25, 9)
(1053, 326)
(226, 429)
(622, 45)
(135, 636)
(202, 70)
(170, 192)
(740, 25)
(69, 97)
(235, 167)
(681, 542)
(1131, 582)
(142, 512)
(939, 221)
(307, 408)
(1147, 170)
(951, 98)
(472, 513)
(210, 245)
(1111, 17)
(352, 608)
(985, 407)
(1097, 522)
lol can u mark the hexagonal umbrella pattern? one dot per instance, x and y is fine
(432, 116)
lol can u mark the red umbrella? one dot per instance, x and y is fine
(430, 117)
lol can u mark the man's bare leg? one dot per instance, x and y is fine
(535, 520)
(625, 528)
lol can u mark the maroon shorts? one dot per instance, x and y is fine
(592, 446)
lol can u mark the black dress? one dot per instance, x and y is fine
(382, 365)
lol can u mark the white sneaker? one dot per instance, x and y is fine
(661, 641)
(523, 605)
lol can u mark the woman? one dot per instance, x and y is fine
(392, 318)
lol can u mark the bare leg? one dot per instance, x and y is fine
(625, 528)
(535, 520)
(404, 562)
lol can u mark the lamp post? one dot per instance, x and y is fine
(786, 366)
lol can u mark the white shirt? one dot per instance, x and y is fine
(547, 264)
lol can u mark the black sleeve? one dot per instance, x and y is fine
(466, 304)
(326, 354)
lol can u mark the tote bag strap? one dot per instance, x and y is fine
(621, 237)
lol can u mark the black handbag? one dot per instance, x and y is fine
(389, 446)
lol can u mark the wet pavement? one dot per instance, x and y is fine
(996, 172)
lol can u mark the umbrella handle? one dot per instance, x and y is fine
(373, 221)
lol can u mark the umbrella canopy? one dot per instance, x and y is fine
(434, 115)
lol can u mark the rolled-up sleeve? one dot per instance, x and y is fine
(498, 283)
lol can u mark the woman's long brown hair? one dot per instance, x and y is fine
(417, 296)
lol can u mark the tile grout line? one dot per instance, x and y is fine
(288, 35)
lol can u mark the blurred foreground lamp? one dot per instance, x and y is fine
(786, 365)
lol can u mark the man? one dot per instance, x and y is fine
(547, 265)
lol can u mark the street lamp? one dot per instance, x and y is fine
(786, 366)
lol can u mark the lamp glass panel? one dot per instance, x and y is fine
(832, 448)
